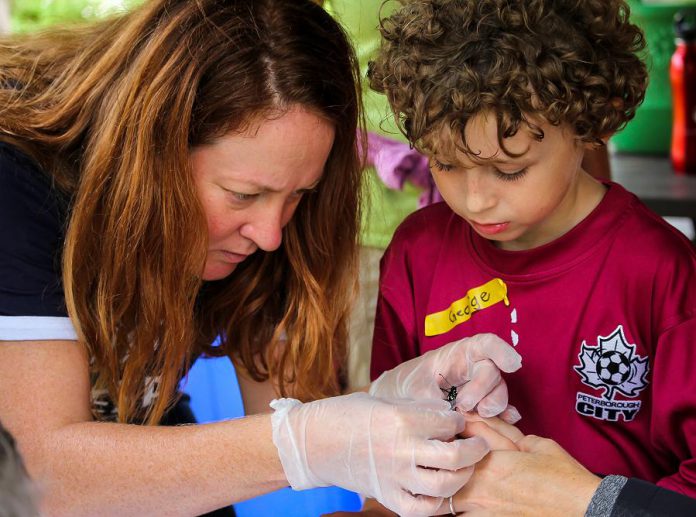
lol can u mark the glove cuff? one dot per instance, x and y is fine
(373, 390)
(290, 443)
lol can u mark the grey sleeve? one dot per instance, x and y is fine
(605, 496)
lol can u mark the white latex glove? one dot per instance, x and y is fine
(387, 450)
(471, 364)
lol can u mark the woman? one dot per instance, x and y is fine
(186, 171)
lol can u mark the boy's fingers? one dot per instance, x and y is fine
(494, 439)
(509, 431)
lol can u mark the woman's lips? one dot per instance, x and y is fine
(490, 229)
(233, 258)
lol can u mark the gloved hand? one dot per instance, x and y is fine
(388, 450)
(471, 364)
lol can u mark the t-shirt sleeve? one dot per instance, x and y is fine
(674, 403)
(673, 386)
(32, 219)
(395, 338)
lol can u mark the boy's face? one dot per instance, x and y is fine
(524, 202)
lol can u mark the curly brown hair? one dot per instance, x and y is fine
(574, 62)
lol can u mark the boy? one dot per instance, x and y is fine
(597, 293)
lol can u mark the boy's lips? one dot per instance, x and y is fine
(490, 228)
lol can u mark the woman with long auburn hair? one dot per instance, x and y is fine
(185, 172)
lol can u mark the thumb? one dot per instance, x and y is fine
(490, 346)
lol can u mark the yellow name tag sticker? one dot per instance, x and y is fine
(461, 310)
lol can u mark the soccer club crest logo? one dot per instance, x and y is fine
(613, 366)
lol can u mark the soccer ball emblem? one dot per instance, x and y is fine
(613, 368)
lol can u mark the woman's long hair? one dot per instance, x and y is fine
(112, 110)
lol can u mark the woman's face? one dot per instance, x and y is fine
(250, 184)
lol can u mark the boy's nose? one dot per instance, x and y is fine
(478, 197)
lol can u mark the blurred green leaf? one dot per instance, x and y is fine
(31, 15)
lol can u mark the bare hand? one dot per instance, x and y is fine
(499, 434)
(541, 479)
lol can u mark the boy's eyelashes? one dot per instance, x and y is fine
(505, 176)
(510, 176)
(440, 166)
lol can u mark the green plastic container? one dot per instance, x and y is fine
(650, 132)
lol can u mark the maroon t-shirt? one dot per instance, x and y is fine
(604, 318)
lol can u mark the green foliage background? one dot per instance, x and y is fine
(32, 15)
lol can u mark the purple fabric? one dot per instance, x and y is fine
(397, 163)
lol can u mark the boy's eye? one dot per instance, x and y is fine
(510, 176)
(441, 166)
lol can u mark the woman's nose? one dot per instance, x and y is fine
(265, 228)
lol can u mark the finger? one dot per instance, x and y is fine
(438, 483)
(485, 377)
(433, 404)
(533, 443)
(461, 508)
(495, 402)
(441, 483)
(490, 346)
(495, 440)
(456, 359)
(545, 446)
(405, 503)
(501, 427)
(454, 455)
(510, 415)
(479, 512)
(419, 505)
(442, 424)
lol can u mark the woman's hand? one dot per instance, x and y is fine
(387, 450)
(471, 364)
(541, 479)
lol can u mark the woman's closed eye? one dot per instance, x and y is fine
(241, 197)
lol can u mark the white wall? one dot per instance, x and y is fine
(4, 16)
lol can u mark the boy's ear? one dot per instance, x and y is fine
(605, 137)
(591, 146)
